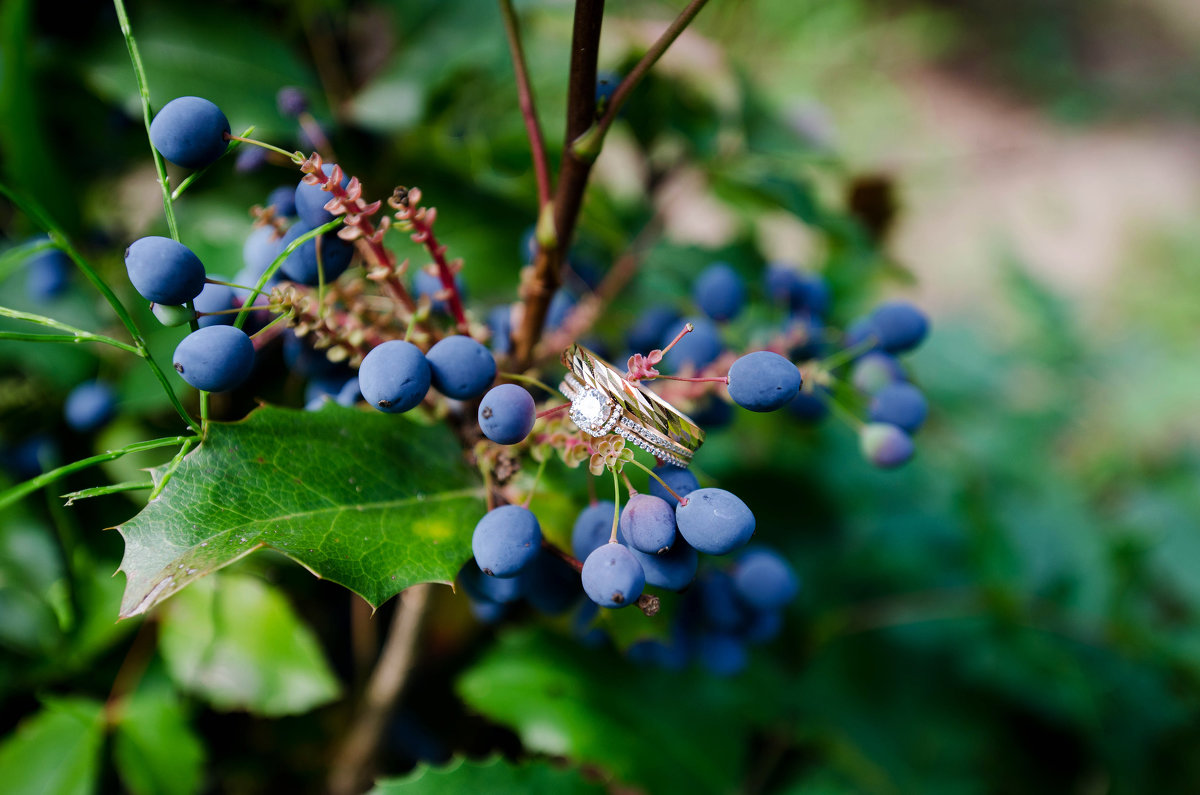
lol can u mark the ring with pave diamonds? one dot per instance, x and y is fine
(603, 402)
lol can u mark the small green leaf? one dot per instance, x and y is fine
(663, 731)
(371, 501)
(154, 748)
(237, 643)
(463, 777)
(55, 751)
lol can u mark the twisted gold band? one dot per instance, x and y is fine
(603, 401)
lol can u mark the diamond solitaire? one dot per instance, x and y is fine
(594, 412)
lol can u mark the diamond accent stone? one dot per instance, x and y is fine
(593, 411)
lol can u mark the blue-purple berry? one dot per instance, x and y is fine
(719, 292)
(714, 521)
(302, 266)
(283, 201)
(461, 367)
(163, 270)
(215, 358)
(47, 274)
(592, 528)
(190, 132)
(648, 523)
(764, 580)
(884, 445)
(90, 406)
(674, 569)
(900, 404)
(507, 413)
(875, 370)
(506, 540)
(899, 326)
(612, 577)
(215, 298)
(394, 376)
(291, 101)
(763, 381)
(681, 481)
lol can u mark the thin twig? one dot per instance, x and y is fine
(588, 146)
(533, 127)
(352, 766)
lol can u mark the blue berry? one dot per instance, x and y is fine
(301, 265)
(859, 332)
(506, 414)
(560, 306)
(164, 271)
(483, 588)
(699, 348)
(674, 569)
(764, 580)
(215, 358)
(349, 394)
(90, 405)
(606, 86)
(190, 132)
(714, 521)
(291, 102)
(215, 298)
(899, 326)
(721, 653)
(429, 284)
(592, 528)
(461, 367)
(499, 321)
(261, 248)
(550, 585)
(762, 626)
(712, 413)
(875, 370)
(810, 407)
(506, 540)
(48, 274)
(250, 159)
(648, 523)
(681, 481)
(719, 292)
(651, 327)
(900, 404)
(394, 376)
(763, 381)
(283, 201)
(612, 577)
(311, 200)
(720, 607)
(810, 295)
(885, 446)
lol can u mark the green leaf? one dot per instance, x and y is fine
(664, 731)
(463, 777)
(369, 500)
(55, 751)
(237, 643)
(154, 748)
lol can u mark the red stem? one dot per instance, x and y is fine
(571, 560)
(554, 410)
(533, 128)
(423, 233)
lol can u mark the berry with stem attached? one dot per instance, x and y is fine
(714, 521)
(190, 132)
(900, 404)
(215, 358)
(163, 270)
(507, 413)
(612, 577)
(301, 265)
(763, 381)
(506, 540)
(680, 481)
(648, 524)
(394, 376)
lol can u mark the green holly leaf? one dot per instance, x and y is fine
(372, 501)
(463, 777)
(56, 751)
(236, 642)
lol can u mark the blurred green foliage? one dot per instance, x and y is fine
(1015, 611)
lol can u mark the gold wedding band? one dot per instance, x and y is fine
(603, 401)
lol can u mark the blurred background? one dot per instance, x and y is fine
(1013, 611)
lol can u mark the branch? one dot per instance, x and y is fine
(533, 128)
(588, 145)
(572, 179)
(351, 769)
